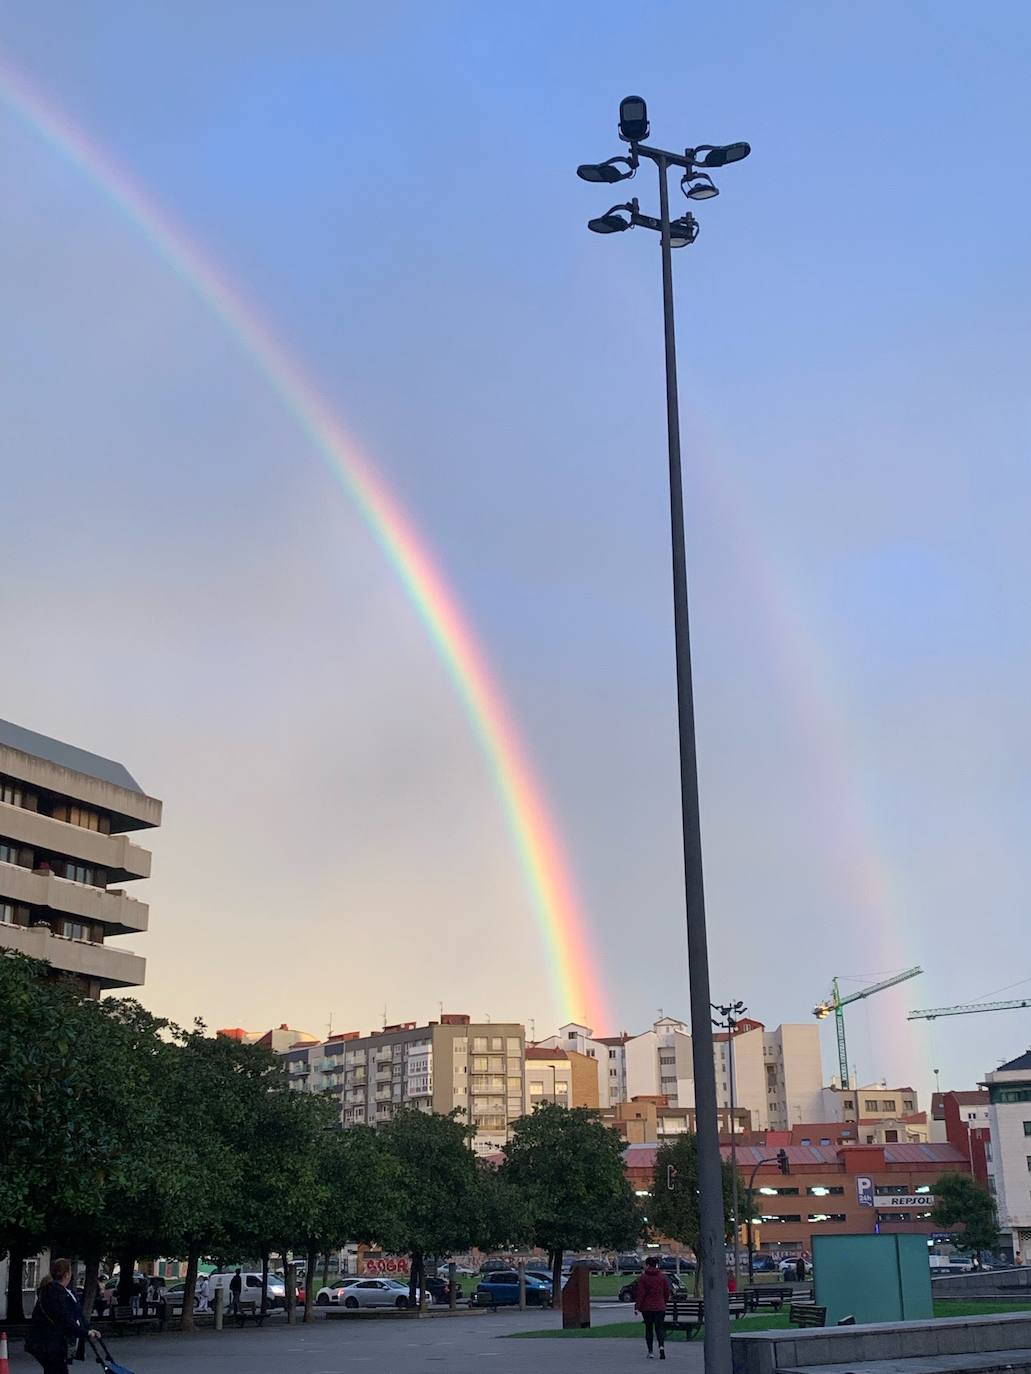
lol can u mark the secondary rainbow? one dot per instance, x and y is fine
(533, 832)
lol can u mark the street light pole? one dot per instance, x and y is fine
(729, 1022)
(712, 1228)
(633, 127)
(751, 1207)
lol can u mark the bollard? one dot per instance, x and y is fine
(220, 1302)
(522, 1285)
(452, 1295)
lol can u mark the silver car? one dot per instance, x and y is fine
(365, 1293)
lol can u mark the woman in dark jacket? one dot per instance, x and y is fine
(56, 1320)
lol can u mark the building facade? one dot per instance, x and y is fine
(563, 1076)
(65, 817)
(1009, 1150)
(830, 1189)
(651, 1120)
(476, 1068)
(606, 1051)
(871, 1102)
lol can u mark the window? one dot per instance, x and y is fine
(888, 1105)
(908, 1105)
(10, 794)
(612, 1073)
(1029, 1164)
(997, 1095)
(1027, 1130)
(825, 1192)
(6, 914)
(612, 1054)
(891, 1137)
(75, 930)
(870, 1105)
(79, 873)
(991, 1184)
(850, 1103)
(806, 1140)
(825, 1140)
(8, 853)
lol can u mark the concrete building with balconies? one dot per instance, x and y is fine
(65, 817)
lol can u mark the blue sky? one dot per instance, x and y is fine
(186, 589)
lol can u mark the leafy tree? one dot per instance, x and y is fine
(674, 1212)
(568, 1167)
(961, 1201)
(439, 1193)
(353, 1197)
(75, 1111)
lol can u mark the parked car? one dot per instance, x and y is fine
(460, 1269)
(764, 1264)
(543, 1274)
(250, 1288)
(501, 1287)
(355, 1293)
(437, 1289)
(596, 1266)
(672, 1264)
(495, 1266)
(788, 1267)
(630, 1264)
(629, 1290)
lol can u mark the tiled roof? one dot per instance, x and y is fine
(1023, 1061)
(536, 1052)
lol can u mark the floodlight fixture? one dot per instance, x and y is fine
(606, 171)
(722, 155)
(633, 119)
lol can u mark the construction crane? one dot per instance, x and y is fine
(836, 1004)
(967, 1009)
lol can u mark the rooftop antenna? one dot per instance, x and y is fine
(384, 1015)
(329, 1031)
(533, 1031)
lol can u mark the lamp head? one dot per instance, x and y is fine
(729, 152)
(614, 221)
(633, 119)
(609, 171)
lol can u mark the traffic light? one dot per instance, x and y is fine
(671, 1174)
(782, 1162)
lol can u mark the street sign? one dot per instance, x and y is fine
(906, 1201)
(864, 1190)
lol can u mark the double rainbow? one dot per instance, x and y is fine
(533, 831)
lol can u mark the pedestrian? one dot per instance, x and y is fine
(56, 1319)
(651, 1294)
(731, 1282)
(203, 1295)
(800, 1269)
(235, 1289)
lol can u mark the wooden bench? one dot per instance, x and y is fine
(685, 1314)
(807, 1314)
(767, 1296)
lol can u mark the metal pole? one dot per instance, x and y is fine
(733, 1146)
(710, 1179)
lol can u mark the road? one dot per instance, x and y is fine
(467, 1343)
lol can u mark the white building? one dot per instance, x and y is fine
(778, 1075)
(608, 1050)
(1009, 1149)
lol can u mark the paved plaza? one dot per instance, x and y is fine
(462, 1344)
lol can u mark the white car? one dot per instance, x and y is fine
(365, 1293)
(789, 1268)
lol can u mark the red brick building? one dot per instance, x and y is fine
(830, 1189)
(966, 1128)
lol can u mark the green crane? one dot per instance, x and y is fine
(836, 1004)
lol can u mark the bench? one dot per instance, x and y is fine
(688, 1314)
(768, 1296)
(805, 1314)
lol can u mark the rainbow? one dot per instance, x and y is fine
(534, 833)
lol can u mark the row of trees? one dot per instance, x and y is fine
(126, 1136)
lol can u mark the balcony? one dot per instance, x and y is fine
(110, 966)
(117, 912)
(116, 853)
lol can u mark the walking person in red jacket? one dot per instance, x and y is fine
(651, 1294)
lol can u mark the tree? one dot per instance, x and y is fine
(961, 1201)
(674, 1212)
(439, 1198)
(76, 1115)
(569, 1168)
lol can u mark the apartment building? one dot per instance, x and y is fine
(1009, 1150)
(563, 1076)
(65, 818)
(476, 1068)
(606, 1051)
(778, 1074)
(870, 1103)
(967, 1123)
(651, 1120)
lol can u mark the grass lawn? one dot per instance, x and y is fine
(760, 1321)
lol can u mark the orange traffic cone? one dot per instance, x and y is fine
(5, 1367)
